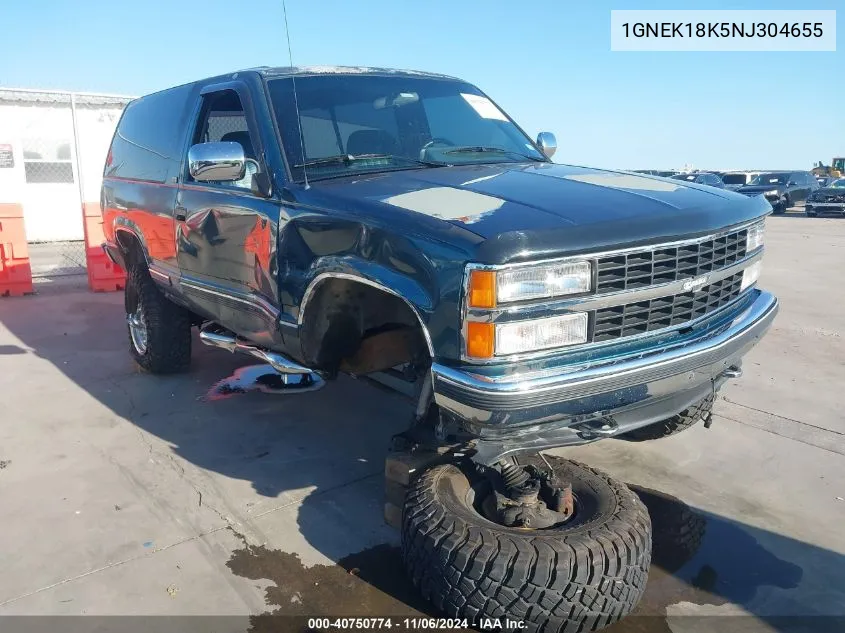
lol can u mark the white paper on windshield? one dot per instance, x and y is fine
(484, 107)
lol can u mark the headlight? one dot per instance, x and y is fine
(488, 288)
(773, 192)
(485, 340)
(750, 275)
(754, 240)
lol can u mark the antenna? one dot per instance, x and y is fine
(295, 99)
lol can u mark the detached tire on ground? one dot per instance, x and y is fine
(677, 423)
(579, 576)
(159, 330)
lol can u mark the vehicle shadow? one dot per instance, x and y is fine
(324, 451)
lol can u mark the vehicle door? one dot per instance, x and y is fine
(798, 193)
(226, 231)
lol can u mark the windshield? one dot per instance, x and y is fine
(770, 179)
(838, 184)
(368, 123)
(838, 164)
(733, 179)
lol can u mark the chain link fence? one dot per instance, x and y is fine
(56, 144)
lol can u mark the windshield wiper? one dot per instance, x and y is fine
(484, 149)
(350, 159)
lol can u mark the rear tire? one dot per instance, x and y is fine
(580, 576)
(159, 330)
(671, 426)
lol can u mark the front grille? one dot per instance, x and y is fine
(832, 198)
(667, 264)
(656, 314)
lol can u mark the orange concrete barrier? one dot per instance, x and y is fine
(103, 274)
(15, 271)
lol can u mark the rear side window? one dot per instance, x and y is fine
(733, 179)
(148, 142)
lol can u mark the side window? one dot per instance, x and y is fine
(222, 119)
(148, 141)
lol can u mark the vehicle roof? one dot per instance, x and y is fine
(288, 71)
(274, 72)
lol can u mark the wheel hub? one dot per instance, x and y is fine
(524, 497)
(138, 330)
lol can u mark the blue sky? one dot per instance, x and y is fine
(548, 63)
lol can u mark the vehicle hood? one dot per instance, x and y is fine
(758, 189)
(829, 192)
(529, 211)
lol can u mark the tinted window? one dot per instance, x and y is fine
(771, 179)
(391, 122)
(148, 141)
(733, 179)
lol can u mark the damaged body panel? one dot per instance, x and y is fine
(366, 219)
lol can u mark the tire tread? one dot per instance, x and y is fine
(168, 326)
(671, 426)
(562, 582)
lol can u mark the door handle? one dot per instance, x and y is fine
(180, 213)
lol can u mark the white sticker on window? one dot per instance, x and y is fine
(484, 107)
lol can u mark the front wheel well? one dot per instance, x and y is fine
(133, 251)
(353, 327)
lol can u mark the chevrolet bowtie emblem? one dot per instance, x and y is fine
(695, 284)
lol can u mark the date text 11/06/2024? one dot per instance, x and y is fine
(414, 624)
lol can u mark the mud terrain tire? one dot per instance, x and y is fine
(580, 576)
(670, 426)
(167, 346)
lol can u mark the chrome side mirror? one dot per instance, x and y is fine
(547, 143)
(222, 162)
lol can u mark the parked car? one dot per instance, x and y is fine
(829, 199)
(824, 181)
(360, 220)
(656, 172)
(733, 180)
(783, 189)
(701, 178)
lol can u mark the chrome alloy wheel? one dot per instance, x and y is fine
(138, 330)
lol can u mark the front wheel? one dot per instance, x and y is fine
(671, 426)
(782, 206)
(579, 575)
(159, 330)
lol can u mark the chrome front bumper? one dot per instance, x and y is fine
(630, 391)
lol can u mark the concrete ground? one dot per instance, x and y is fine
(125, 493)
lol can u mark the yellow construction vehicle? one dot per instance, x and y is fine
(835, 170)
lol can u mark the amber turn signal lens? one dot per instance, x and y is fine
(480, 339)
(482, 289)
